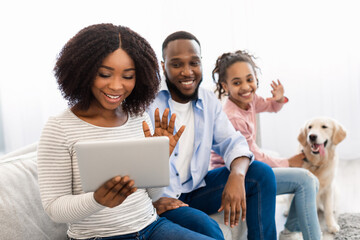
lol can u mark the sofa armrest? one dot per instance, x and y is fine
(27, 149)
(21, 213)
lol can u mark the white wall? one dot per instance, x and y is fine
(311, 46)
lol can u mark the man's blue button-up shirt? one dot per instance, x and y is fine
(213, 131)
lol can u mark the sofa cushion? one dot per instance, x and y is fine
(21, 213)
(236, 233)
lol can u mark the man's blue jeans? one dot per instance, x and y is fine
(260, 189)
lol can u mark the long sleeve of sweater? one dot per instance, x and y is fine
(244, 128)
(245, 122)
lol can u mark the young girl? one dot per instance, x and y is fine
(109, 75)
(237, 78)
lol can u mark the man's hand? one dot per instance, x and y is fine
(165, 204)
(234, 197)
(163, 129)
(113, 192)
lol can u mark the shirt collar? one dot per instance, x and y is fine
(198, 103)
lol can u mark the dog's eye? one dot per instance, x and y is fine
(323, 126)
(310, 127)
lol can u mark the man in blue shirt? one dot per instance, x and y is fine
(244, 188)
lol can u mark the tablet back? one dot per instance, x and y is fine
(145, 160)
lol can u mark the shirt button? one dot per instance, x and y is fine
(177, 174)
(177, 195)
(175, 154)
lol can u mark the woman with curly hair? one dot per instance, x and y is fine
(109, 75)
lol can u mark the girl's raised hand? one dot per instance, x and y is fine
(277, 92)
(164, 129)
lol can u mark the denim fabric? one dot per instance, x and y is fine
(260, 201)
(159, 230)
(303, 211)
(195, 220)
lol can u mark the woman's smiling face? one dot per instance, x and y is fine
(114, 81)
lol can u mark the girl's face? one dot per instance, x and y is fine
(114, 81)
(241, 84)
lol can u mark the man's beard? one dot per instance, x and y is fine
(174, 90)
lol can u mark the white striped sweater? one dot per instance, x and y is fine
(60, 186)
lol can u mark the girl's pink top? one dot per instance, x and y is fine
(245, 122)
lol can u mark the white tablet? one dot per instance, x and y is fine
(145, 160)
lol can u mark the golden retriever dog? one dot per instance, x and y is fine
(318, 140)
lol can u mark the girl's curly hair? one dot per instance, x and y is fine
(81, 57)
(224, 62)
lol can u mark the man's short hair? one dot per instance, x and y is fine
(178, 35)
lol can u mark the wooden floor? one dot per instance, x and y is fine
(348, 195)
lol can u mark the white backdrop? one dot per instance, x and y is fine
(311, 46)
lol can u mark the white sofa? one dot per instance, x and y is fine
(21, 213)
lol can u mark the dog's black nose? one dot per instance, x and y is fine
(312, 137)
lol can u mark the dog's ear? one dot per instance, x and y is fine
(302, 136)
(339, 133)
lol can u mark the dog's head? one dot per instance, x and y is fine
(321, 133)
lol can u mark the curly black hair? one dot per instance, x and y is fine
(225, 61)
(81, 57)
(178, 35)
